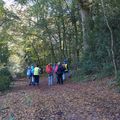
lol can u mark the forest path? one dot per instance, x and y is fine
(92, 100)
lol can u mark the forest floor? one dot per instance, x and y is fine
(94, 100)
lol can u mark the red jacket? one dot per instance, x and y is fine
(49, 69)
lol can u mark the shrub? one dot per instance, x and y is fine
(4, 83)
(5, 79)
(118, 79)
(108, 69)
(88, 65)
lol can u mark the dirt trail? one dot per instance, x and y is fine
(83, 101)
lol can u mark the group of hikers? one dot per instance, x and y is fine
(57, 73)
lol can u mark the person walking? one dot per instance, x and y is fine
(29, 77)
(36, 75)
(49, 71)
(66, 70)
(55, 73)
(59, 73)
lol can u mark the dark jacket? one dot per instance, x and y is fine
(60, 70)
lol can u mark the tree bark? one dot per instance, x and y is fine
(85, 27)
(84, 11)
(60, 40)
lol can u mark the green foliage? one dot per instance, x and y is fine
(107, 69)
(23, 2)
(1, 9)
(4, 83)
(118, 79)
(87, 65)
(78, 75)
(4, 52)
(4, 71)
(53, 31)
(5, 79)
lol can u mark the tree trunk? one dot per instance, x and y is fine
(60, 40)
(84, 13)
(84, 16)
(76, 39)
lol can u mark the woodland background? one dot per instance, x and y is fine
(85, 32)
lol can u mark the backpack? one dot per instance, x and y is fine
(60, 70)
(48, 69)
(32, 70)
(56, 68)
(66, 67)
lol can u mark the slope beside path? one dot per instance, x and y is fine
(72, 101)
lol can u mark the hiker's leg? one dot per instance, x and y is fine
(37, 79)
(49, 80)
(63, 76)
(54, 78)
(30, 81)
(58, 79)
(61, 79)
(33, 80)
